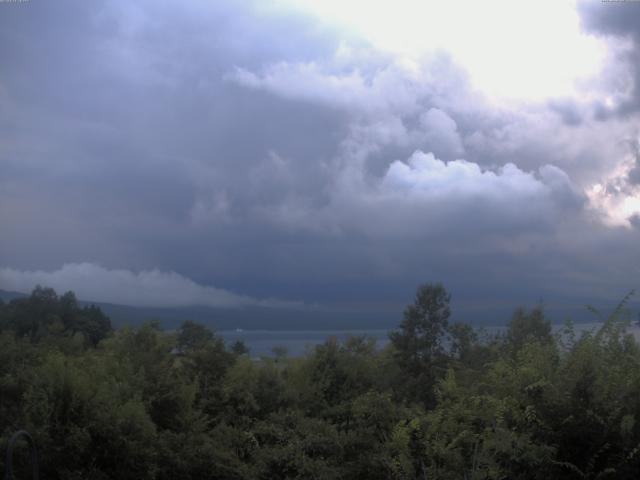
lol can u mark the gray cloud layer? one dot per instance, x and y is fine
(271, 155)
(142, 289)
(620, 21)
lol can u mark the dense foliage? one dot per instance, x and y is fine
(439, 402)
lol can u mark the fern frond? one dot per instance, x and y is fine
(569, 466)
(606, 472)
(620, 307)
(596, 312)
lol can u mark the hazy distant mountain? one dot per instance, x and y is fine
(262, 318)
(8, 295)
(248, 318)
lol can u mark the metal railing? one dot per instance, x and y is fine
(8, 473)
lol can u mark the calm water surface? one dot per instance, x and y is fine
(297, 342)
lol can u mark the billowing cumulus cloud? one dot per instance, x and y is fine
(459, 179)
(425, 194)
(460, 186)
(441, 133)
(617, 197)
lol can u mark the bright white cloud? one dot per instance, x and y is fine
(512, 49)
(616, 199)
(424, 174)
(148, 288)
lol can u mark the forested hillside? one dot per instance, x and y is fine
(439, 402)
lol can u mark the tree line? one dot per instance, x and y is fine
(440, 401)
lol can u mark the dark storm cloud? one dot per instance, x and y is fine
(104, 108)
(263, 153)
(634, 173)
(119, 129)
(619, 20)
(568, 111)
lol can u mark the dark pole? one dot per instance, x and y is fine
(8, 475)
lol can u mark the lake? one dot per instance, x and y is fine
(297, 342)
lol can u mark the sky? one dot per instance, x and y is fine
(305, 154)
